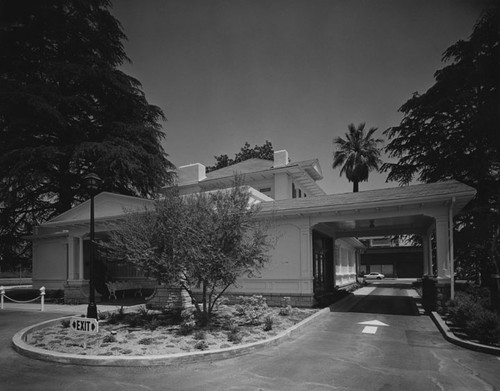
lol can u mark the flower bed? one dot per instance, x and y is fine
(159, 333)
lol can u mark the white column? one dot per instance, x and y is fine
(80, 258)
(427, 249)
(334, 268)
(306, 252)
(442, 247)
(430, 231)
(451, 250)
(71, 253)
(337, 263)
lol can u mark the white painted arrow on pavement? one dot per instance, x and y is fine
(374, 323)
(372, 326)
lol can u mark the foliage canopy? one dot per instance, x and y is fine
(202, 242)
(264, 151)
(451, 132)
(358, 154)
(66, 109)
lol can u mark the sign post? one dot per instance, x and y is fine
(85, 326)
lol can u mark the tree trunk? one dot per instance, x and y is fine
(355, 187)
(205, 312)
(495, 278)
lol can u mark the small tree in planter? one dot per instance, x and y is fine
(201, 242)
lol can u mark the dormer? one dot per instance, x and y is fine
(279, 178)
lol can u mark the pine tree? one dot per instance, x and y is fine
(66, 109)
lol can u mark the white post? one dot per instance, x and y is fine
(443, 247)
(426, 245)
(2, 293)
(42, 294)
(80, 258)
(451, 252)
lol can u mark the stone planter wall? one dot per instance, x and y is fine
(275, 299)
(78, 294)
(169, 297)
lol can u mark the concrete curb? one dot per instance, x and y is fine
(450, 337)
(20, 345)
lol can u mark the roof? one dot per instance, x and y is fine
(244, 167)
(110, 206)
(377, 198)
(106, 205)
(305, 173)
(255, 165)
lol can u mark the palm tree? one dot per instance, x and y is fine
(357, 154)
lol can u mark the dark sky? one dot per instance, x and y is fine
(294, 72)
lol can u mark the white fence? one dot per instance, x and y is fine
(3, 296)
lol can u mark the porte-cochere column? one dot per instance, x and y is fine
(442, 247)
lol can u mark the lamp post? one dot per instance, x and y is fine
(92, 181)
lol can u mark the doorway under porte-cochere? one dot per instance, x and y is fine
(323, 267)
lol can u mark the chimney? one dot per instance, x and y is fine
(280, 158)
(191, 174)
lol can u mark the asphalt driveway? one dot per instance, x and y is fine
(362, 344)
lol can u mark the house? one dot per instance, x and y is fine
(316, 251)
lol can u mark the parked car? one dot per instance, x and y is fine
(374, 276)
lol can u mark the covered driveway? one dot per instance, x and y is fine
(425, 209)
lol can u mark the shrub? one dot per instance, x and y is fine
(252, 309)
(234, 335)
(109, 338)
(268, 323)
(484, 326)
(200, 335)
(470, 311)
(221, 302)
(201, 345)
(285, 311)
(65, 323)
(146, 341)
(101, 315)
(188, 321)
(134, 321)
(143, 312)
(152, 324)
(461, 309)
(115, 317)
(228, 322)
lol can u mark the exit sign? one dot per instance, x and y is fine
(84, 325)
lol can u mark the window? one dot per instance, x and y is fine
(297, 193)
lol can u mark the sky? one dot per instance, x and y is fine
(294, 72)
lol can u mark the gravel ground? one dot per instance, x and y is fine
(127, 338)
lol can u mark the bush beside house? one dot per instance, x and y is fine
(471, 312)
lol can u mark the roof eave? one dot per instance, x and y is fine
(461, 198)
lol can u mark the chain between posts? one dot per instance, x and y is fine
(3, 296)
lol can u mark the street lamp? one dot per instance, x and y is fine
(92, 181)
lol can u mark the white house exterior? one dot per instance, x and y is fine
(316, 248)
